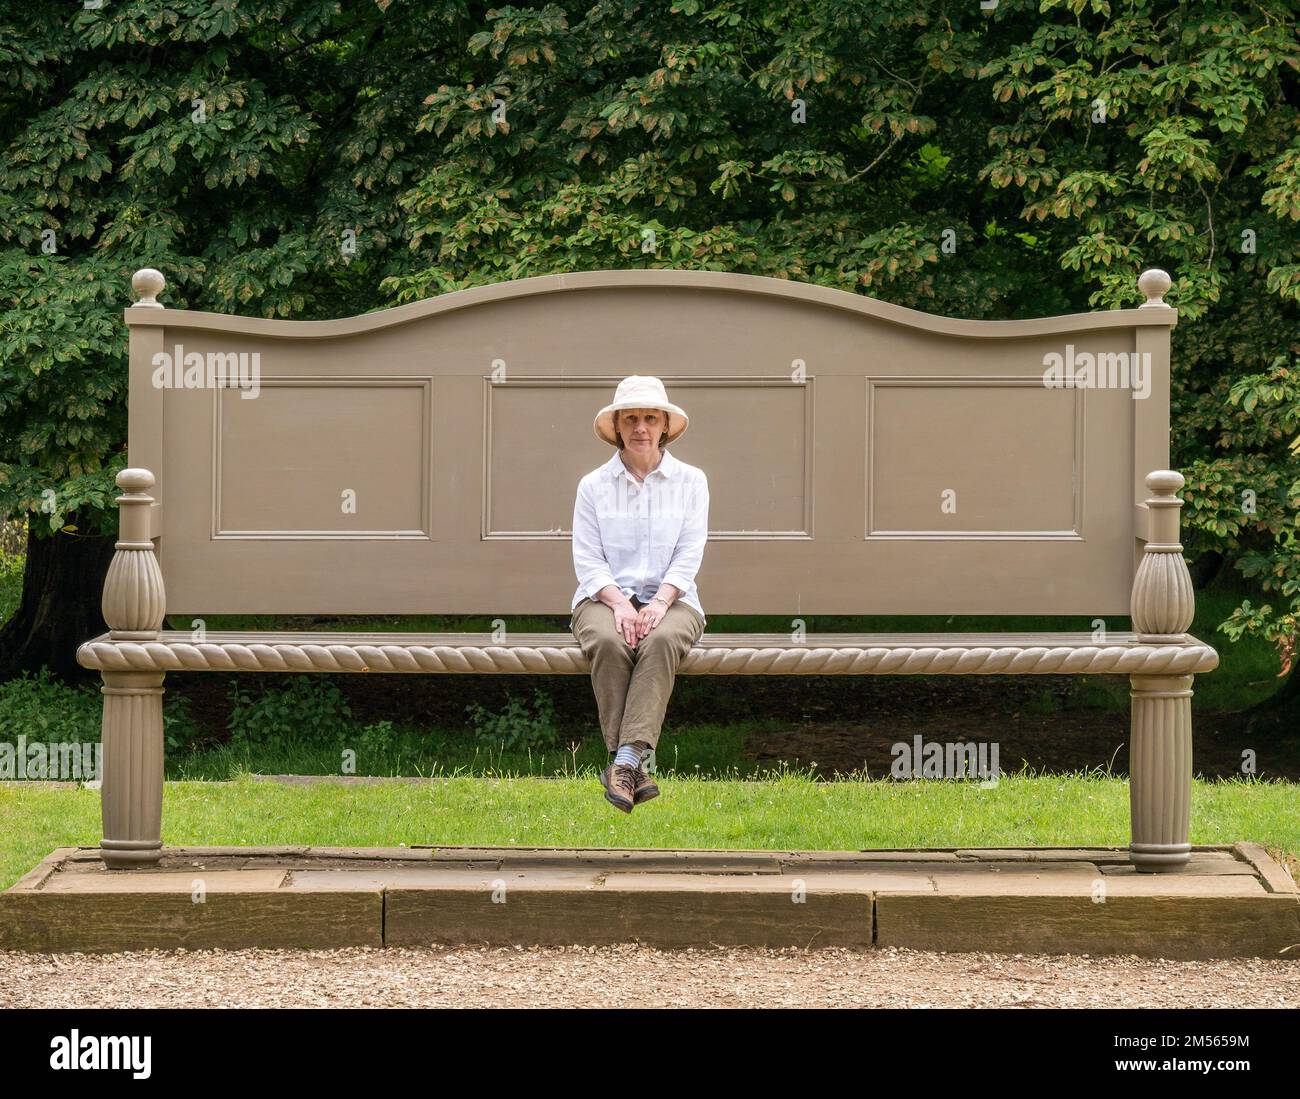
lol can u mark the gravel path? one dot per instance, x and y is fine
(576, 976)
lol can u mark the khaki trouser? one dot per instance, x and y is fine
(632, 686)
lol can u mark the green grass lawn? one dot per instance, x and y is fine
(787, 812)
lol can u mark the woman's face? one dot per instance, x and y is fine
(641, 429)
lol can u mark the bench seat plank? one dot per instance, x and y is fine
(713, 654)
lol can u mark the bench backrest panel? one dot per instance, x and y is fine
(837, 432)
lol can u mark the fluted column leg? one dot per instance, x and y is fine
(134, 607)
(131, 796)
(1160, 771)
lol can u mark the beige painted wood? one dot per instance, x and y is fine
(131, 794)
(132, 734)
(1119, 639)
(837, 432)
(713, 654)
(1160, 749)
(830, 426)
(1160, 770)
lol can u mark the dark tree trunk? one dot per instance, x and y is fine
(62, 584)
(1206, 569)
(1278, 716)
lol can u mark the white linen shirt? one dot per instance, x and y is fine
(639, 536)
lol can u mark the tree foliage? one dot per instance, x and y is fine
(230, 145)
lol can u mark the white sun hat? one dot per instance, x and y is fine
(640, 391)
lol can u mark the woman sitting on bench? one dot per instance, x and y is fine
(640, 523)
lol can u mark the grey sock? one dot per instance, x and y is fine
(628, 756)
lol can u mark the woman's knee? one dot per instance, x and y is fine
(663, 642)
(601, 643)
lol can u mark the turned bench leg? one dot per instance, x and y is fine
(131, 796)
(133, 605)
(1160, 771)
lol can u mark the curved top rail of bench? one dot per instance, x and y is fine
(1154, 313)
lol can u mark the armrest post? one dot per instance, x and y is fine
(134, 600)
(1160, 748)
(1162, 603)
(131, 796)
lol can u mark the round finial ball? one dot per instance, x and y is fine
(135, 480)
(148, 283)
(1155, 284)
(1165, 482)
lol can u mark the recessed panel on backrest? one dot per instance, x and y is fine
(280, 459)
(862, 458)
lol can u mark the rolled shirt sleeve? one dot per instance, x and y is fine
(589, 561)
(689, 551)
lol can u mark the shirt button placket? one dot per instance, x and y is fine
(645, 544)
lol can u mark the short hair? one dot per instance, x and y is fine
(618, 415)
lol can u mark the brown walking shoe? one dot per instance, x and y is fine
(645, 788)
(620, 786)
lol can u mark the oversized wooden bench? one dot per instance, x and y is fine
(863, 459)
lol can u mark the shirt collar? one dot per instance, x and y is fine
(667, 466)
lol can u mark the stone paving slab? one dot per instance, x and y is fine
(1085, 884)
(91, 854)
(482, 881)
(217, 881)
(1232, 900)
(38, 874)
(784, 885)
(1030, 879)
(838, 858)
(1179, 885)
(638, 859)
(1276, 878)
(1045, 854)
(1209, 868)
(645, 861)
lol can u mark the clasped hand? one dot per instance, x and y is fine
(634, 624)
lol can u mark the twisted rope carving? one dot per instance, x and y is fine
(162, 656)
